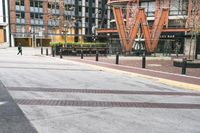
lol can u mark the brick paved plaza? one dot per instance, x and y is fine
(159, 63)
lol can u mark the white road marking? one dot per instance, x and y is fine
(2, 103)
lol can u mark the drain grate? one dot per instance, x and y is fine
(101, 91)
(106, 104)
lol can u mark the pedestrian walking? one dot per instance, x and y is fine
(19, 49)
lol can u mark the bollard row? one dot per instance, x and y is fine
(117, 58)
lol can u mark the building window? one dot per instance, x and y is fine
(93, 10)
(32, 16)
(40, 4)
(178, 7)
(36, 16)
(4, 11)
(53, 5)
(49, 5)
(149, 8)
(20, 15)
(20, 28)
(79, 8)
(36, 4)
(31, 4)
(57, 6)
(36, 29)
(19, 2)
(86, 9)
(93, 20)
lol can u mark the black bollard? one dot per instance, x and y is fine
(41, 50)
(81, 54)
(184, 65)
(143, 60)
(46, 51)
(97, 56)
(53, 52)
(61, 53)
(117, 58)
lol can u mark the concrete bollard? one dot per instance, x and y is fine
(46, 51)
(184, 65)
(41, 50)
(117, 58)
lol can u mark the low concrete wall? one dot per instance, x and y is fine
(4, 45)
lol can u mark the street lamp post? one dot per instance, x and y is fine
(94, 27)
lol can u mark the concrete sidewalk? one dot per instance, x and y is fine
(65, 96)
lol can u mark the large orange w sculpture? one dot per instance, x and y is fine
(127, 37)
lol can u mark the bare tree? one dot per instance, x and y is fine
(61, 22)
(194, 25)
(190, 21)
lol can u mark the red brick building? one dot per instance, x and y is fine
(36, 22)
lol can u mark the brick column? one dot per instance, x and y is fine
(27, 14)
(45, 17)
(12, 15)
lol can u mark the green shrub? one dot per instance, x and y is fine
(53, 44)
(78, 44)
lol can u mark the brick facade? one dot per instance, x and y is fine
(12, 15)
(27, 14)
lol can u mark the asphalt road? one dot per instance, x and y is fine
(61, 96)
